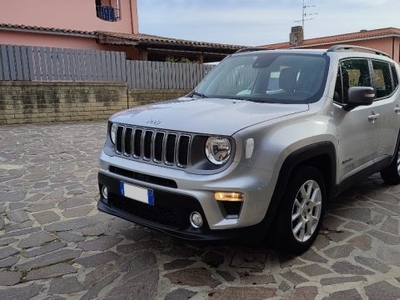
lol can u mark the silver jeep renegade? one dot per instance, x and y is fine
(257, 148)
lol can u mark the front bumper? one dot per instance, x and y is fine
(170, 214)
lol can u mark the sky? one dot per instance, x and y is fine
(262, 22)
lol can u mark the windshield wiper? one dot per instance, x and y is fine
(194, 93)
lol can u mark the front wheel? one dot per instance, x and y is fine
(391, 175)
(301, 211)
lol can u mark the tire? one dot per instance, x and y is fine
(391, 174)
(301, 211)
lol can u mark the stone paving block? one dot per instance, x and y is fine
(363, 242)
(9, 278)
(303, 293)
(7, 241)
(391, 226)
(36, 239)
(17, 216)
(7, 251)
(9, 261)
(78, 211)
(314, 270)
(21, 293)
(340, 251)
(293, 277)
(141, 245)
(387, 238)
(351, 294)
(96, 259)
(227, 276)
(243, 293)
(46, 217)
(389, 255)
(43, 249)
(254, 279)
(34, 206)
(178, 264)
(193, 277)
(345, 267)
(93, 292)
(18, 226)
(342, 279)
(21, 232)
(179, 294)
(73, 202)
(372, 263)
(70, 236)
(356, 226)
(12, 196)
(67, 285)
(73, 224)
(50, 259)
(100, 244)
(382, 290)
(247, 259)
(311, 255)
(1, 223)
(142, 286)
(98, 273)
(51, 271)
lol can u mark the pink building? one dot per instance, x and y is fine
(94, 24)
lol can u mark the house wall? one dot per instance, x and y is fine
(71, 14)
(389, 45)
(48, 40)
(42, 102)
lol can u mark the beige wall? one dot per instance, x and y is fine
(67, 14)
(388, 45)
(43, 102)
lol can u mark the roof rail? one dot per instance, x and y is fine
(356, 48)
(248, 49)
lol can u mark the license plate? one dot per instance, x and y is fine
(137, 193)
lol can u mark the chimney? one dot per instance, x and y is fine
(296, 36)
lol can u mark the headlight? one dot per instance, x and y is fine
(218, 150)
(113, 133)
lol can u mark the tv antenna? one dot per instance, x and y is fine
(306, 16)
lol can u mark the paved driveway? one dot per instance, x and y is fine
(54, 244)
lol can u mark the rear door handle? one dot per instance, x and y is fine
(397, 110)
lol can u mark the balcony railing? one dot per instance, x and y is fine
(108, 13)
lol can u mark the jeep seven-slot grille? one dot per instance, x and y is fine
(156, 146)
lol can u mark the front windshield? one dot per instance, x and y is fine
(267, 77)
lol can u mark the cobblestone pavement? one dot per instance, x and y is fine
(54, 244)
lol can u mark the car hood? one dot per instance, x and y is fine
(208, 116)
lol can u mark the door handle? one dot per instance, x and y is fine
(397, 110)
(372, 118)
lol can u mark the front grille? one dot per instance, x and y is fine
(162, 147)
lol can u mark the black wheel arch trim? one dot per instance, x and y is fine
(295, 159)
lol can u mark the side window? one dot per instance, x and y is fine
(394, 76)
(352, 72)
(382, 79)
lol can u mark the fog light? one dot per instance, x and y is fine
(196, 220)
(104, 192)
(228, 196)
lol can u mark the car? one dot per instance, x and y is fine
(258, 148)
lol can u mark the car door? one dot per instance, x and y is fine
(358, 129)
(385, 81)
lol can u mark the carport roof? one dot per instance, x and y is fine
(147, 40)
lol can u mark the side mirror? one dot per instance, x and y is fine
(359, 95)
